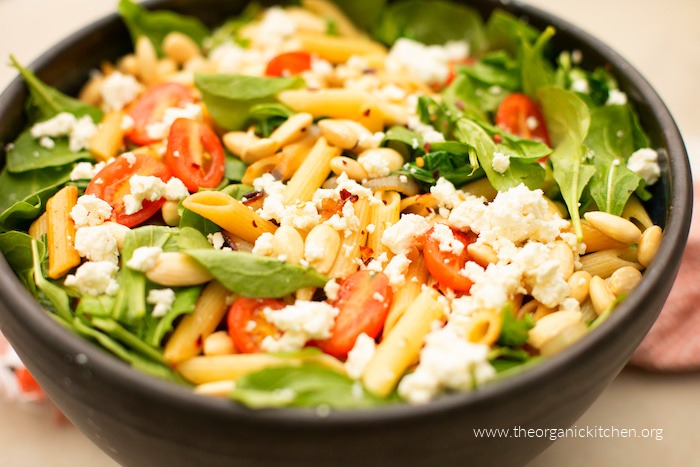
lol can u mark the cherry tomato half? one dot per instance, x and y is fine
(111, 184)
(150, 106)
(519, 115)
(288, 64)
(247, 324)
(195, 154)
(364, 299)
(444, 266)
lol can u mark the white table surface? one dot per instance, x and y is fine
(660, 38)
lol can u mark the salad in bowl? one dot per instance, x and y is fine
(307, 206)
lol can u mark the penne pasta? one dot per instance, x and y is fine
(311, 173)
(604, 262)
(350, 250)
(60, 235)
(483, 327)
(338, 49)
(416, 276)
(39, 227)
(383, 215)
(634, 211)
(109, 137)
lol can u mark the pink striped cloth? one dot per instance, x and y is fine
(673, 343)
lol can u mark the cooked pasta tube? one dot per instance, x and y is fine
(337, 49)
(383, 215)
(635, 211)
(109, 137)
(331, 12)
(229, 213)
(60, 235)
(311, 173)
(604, 262)
(189, 335)
(345, 263)
(416, 276)
(422, 205)
(483, 327)
(39, 227)
(351, 104)
(400, 348)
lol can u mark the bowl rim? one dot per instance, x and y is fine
(123, 377)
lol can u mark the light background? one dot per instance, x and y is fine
(660, 38)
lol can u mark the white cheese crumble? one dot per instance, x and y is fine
(616, 97)
(86, 171)
(447, 362)
(331, 290)
(445, 194)
(300, 322)
(152, 188)
(119, 89)
(580, 85)
(79, 130)
(360, 355)
(427, 63)
(396, 270)
(645, 163)
(427, 132)
(500, 162)
(162, 301)
(161, 128)
(94, 278)
(374, 163)
(97, 244)
(403, 235)
(446, 239)
(90, 211)
(264, 245)
(144, 258)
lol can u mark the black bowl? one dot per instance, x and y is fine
(140, 420)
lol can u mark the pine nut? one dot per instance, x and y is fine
(351, 167)
(238, 141)
(215, 389)
(551, 325)
(482, 254)
(260, 149)
(562, 253)
(321, 247)
(218, 343)
(176, 269)
(293, 129)
(170, 213)
(146, 60)
(578, 285)
(601, 296)
(614, 227)
(542, 311)
(339, 133)
(128, 65)
(596, 240)
(180, 47)
(165, 68)
(649, 245)
(288, 244)
(622, 281)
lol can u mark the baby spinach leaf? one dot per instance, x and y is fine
(183, 305)
(568, 121)
(234, 168)
(453, 166)
(506, 31)
(492, 78)
(267, 117)
(100, 306)
(191, 238)
(363, 13)
(26, 154)
(228, 31)
(229, 98)
(460, 100)
(431, 22)
(611, 139)
(55, 294)
(514, 332)
(256, 276)
(48, 102)
(237, 190)
(189, 219)
(506, 358)
(16, 247)
(536, 70)
(407, 142)
(157, 24)
(308, 385)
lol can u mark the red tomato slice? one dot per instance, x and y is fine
(247, 324)
(519, 115)
(364, 299)
(150, 106)
(288, 64)
(195, 154)
(444, 266)
(111, 184)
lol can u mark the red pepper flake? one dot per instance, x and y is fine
(345, 194)
(497, 138)
(367, 112)
(255, 224)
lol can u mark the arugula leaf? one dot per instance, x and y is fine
(611, 139)
(492, 78)
(23, 195)
(431, 22)
(155, 25)
(506, 358)
(536, 70)
(185, 300)
(255, 276)
(27, 154)
(514, 332)
(461, 100)
(48, 101)
(100, 306)
(308, 385)
(506, 31)
(453, 165)
(229, 98)
(568, 121)
(407, 142)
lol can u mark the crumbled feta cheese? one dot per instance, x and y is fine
(264, 245)
(81, 134)
(90, 211)
(144, 258)
(275, 27)
(645, 163)
(86, 171)
(118, 90)
(162, 301)
(160, 129)
(97, 244)
(79, 130)
(302, 321)
(130, 158)
(374, 163)
(427, 132)
(217, 240)
(445, 193)
(500, 162)
(392, 92)
(360, 355)
(616, 97)
(532, 122)
(427, 63)
(331, 290)
(152, 188)
(396, 270)
(446, 362)
(580, 85)
(94, 278)
(446, 239)
(269, 184)
(402, 236)
(371, 141)
(46, 142)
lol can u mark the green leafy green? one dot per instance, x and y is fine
(536, 70)
(506, 358)
(256, 276)
(191, 238)
(229, 97)
(190, 219)
(508, 32)
(453, 165)
(155, 25)
(431, 22)
(55, 294)
(308, 385)
(27, 154)
(237, 190)
(16, 247)
(228, 32)
(461, 100)
(568, 121)
(185, 300)
(267, 117)
(492, 78)
(514, 332)
(100, 306)
(363, 13)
